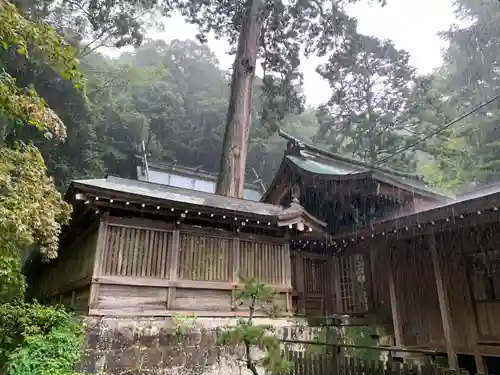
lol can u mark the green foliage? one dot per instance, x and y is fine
(31, 209)
(33, 339)
(362, 336)
(41, 41)
(38, 340)
(256, 296)
(366, 115)
(184, 323)
(466, 154)
(171, 95)
(12, 281)
(350, 335)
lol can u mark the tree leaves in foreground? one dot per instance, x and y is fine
(33, 339)
(31, 209)
(38, 340)
(41, 41)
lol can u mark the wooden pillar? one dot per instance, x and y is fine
(287, 274)
(474, 327)
(173, 266)
(236, 260)
(99, 256)
(444, 306)
(330, 286)
(396, 319)
(236, 268)
(369, 278)
(299, 282)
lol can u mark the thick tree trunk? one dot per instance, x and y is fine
(235, 146)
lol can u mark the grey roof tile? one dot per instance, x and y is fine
(180, 195)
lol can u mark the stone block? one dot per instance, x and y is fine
(172, 356)
(147, 341)
(91, 362)
(151, 358)
(123, 339)
(167, 338)
(95, 339)
(119, 361)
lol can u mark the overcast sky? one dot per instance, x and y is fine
(412, 25)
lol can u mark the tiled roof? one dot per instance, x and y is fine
(140, 190)
(179, 195)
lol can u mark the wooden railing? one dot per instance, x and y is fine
(309, 363)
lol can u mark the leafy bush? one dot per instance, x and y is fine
(38, 340)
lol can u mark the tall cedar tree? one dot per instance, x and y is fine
(274, 31)
(369, 104)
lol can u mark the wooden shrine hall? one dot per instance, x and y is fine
(332, 235)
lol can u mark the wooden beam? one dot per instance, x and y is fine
(78, 284)
(181, 284)
(396, 319)
(443, 305)
(127, 222)
(445, 219)
(199, 314)
(173, 263)
(165, 212)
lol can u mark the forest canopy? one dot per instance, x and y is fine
(174, 97)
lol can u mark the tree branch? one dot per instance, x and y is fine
(248, 346)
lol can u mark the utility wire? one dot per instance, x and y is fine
(439, 130)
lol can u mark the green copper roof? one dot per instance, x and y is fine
(309, 164)
(317, 161)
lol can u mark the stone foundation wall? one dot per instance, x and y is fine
(119, 346)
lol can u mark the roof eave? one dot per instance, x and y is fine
(344, 159)
(376, 175)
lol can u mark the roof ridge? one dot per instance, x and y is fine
(110, 177)
(344, 159)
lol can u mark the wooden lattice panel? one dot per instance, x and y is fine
(352, 284)
(262, 261)
(136, 252)
(316, 274)
(205, 258)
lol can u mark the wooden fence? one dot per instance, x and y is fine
(310, 363)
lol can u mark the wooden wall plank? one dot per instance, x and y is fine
(173, 266)
(443, 305)
(100, 254)
(396, 318)
(299, 282)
